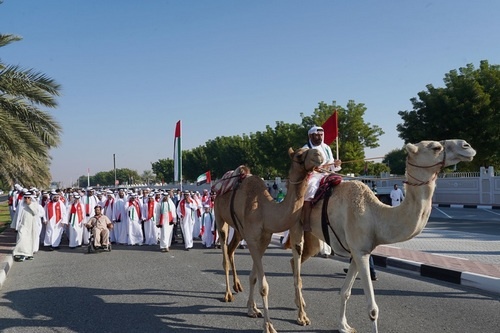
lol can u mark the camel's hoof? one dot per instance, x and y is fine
(348, 329)
(238, 287)
(254, 313)
(269, 328)
(228, 297)
(303, 320)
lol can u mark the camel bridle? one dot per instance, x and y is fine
(433, 178)
(300, 162)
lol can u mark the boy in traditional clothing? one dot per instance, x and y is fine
(76, 221)
(133, 220)
(208, 227)
(148, 214)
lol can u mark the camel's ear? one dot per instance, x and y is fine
(411, 148)
(290, 152)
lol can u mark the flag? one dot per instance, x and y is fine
(331, 129)
(177, 153)
(204, 178)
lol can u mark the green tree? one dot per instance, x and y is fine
(272, 148)
(164, 170)
(27, 133)
(107, 178)
(468, 108)
(396, 160)
(148, 176)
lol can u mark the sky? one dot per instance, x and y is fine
(129, 70)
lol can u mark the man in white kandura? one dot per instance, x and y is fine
(166, 217)
(397, 196)
(186, 211)
(27, 229)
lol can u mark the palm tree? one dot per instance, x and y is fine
(27, 133)
(147, 176)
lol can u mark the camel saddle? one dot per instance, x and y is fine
(326, 185)
(230, 180)
(325, 189)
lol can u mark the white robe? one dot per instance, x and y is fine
(41, 226)
(162, 216)
(150, 229)
(54, 228)
(90, 201)
(120, 221)
(76, 225)
(133, 219)
(208, 224)
(108, 207)
(197, 217)
(396, 197)
(27, 231)
(187, 221)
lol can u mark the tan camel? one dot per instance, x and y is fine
(361, 222)
(255, 217)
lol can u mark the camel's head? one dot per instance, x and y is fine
(439, 154)
(309, 158)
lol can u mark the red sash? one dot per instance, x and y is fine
(136, 205)
(151, 211)
(57, 207)
(107, 204)
(76, 208)
(183, 206)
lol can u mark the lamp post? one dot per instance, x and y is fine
(114, 166)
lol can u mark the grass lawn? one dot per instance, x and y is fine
(4, 216)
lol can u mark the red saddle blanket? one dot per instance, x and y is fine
(326, 183)
(230, 180)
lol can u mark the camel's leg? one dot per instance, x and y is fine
(237, 287)
(296, 236)
(253, 311)
(363, 263)
(222, 227)
(360, 263)
(257, 249)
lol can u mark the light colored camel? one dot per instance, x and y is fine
(256, 217)
(361, 222)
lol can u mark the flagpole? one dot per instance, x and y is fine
(337, 146)
(178, 154)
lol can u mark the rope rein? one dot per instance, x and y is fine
(433, 178)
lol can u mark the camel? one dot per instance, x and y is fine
(361, 222)
(255, 216)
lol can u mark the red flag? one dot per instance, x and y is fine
(177, 153)
(331, 129)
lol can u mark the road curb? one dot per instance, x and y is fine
(4, 269)
(466, 206)
(478, 281)
(7, 243)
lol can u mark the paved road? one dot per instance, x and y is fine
(139, 289)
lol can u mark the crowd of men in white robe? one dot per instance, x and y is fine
(139, 216)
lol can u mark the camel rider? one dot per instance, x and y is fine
(316, 135)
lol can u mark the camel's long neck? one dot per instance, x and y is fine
(290, 208)
(408, 219)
